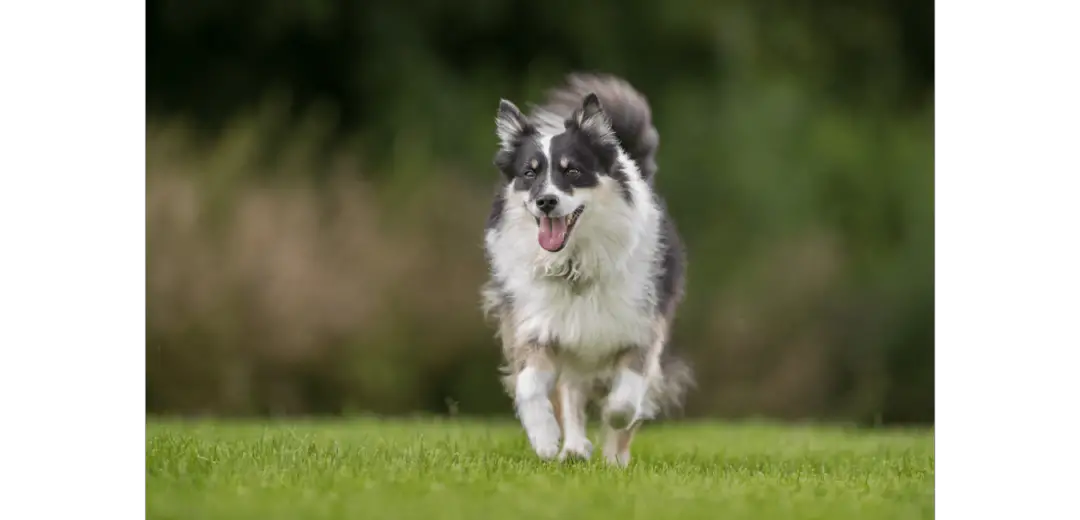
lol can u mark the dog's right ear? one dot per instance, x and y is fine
(510, 125)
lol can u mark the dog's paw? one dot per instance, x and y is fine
(542, 429)
(576, 450)
(621, 415)
(546, 450)
(544, 438)
(624, 405)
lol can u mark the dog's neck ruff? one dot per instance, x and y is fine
(567, 273)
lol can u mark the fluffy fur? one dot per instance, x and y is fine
(587, 268)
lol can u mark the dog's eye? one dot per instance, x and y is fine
(529, 174)
(572, 173)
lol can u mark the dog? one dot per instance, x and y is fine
(586, 268)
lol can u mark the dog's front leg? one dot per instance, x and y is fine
(624, 408)
(625, 402)
(534, 385)
(572, 394)
(617, 444)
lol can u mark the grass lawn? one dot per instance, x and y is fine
(427, 469)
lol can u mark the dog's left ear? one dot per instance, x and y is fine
(592, 119)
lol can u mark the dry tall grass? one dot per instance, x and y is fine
(288, 296)
(295, 296)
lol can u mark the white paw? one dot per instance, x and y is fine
(623, 407)
(546, 450)
(544, 437)
(580, 449)
(620, 415)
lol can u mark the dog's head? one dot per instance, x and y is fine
(563, 176)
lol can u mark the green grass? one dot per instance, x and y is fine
(472, 470)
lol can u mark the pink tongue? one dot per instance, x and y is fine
(552, 233)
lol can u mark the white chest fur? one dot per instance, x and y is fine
(592, 321)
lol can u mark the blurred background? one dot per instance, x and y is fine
(302, 259)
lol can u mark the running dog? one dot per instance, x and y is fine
(586, 267)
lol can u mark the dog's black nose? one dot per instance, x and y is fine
(547, 203)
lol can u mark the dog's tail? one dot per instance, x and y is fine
(628, 110)
(670, 389)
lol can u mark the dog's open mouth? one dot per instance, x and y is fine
(554, 232)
